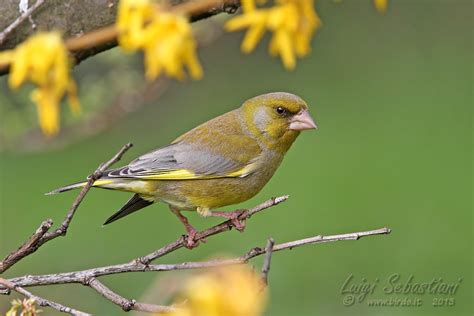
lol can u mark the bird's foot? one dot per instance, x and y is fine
(190, 241)
(234, 218)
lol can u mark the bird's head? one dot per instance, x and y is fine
(277, 118)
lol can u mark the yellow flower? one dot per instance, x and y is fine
(132, 17)
(25, 307)
(6, 57)
(230, 291)
(293, 23)
(381, 5)
(43, 60)
(166, 39)
(307, 26)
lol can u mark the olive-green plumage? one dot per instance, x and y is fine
(224, 161)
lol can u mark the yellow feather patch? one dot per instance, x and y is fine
(181, 174)
(102, 182)
(184, 174)
(242, 172)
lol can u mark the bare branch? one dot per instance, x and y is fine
(225, 226)
(322, 239)
(41, 301)
(42, 235)
(126, 304)
(25, 15)
(62, 229)
(27, 247)
(142, 264)
(268, 259)
(135, 266)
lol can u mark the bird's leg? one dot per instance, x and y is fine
(233, 217)
(190, 242)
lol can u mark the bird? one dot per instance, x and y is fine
(224, 161)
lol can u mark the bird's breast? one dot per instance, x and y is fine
(219, 192)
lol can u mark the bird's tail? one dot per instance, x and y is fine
(134, 204)
(78, 185)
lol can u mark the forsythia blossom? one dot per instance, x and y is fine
(166, 39)
(25, 307)
(231, 291)
(43, 59)
(293, 23)
(381, 5)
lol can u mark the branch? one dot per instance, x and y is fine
(105, 38)
(72, 17)
(268, 259)
(126, 304)
(25, 15)
(83, 276)
(196, 10)
(142, 264)
(88, 277)
(41, 301)
(99, 38)
(28, 247)
(42, 234)
(217, 229)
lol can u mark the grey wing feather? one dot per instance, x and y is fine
(178, 156)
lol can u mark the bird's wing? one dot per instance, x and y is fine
(182, 161)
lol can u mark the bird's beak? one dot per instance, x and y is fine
(302, 121)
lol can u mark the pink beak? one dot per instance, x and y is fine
(302, 121)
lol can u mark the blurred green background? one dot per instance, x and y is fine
(392, 95)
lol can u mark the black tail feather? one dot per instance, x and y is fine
(134, 204)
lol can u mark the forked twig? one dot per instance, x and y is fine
(89, 277)
(42, 234)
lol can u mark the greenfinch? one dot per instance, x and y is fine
(224, 161)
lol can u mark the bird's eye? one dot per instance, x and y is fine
(280, 110)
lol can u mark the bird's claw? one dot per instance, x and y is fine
(238, 224)
(235, 220)
(189, 240)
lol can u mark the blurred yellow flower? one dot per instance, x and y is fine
(381, 5)
(6, 57)
(43, 59)
(230, 291)
(132, 17)
(25, 307)
(293, 23)
(166, 39)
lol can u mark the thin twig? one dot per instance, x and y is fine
(42, 235)
(27, 247)
(62, 229)
(141, 264)
(41, 301)
(126, 304)
(135, 266)
(268, 259)
(25, 15)
(222, 227)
